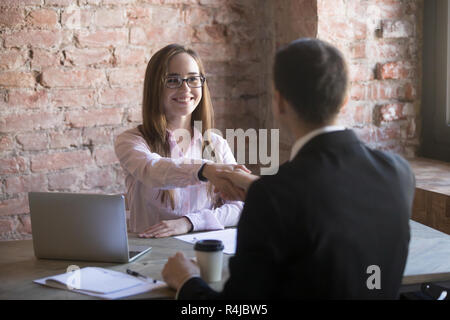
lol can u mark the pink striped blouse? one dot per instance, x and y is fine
(147, 173)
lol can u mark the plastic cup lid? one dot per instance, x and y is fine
(209, 245)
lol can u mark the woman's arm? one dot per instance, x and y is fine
(150, 168)
(229, 213)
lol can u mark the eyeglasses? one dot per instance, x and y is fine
(174, 82)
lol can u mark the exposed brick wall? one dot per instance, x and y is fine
(71, 75)
(382, 41)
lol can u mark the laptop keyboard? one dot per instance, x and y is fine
(133, 253)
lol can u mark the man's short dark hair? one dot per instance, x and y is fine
(312, 76)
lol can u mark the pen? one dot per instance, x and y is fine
(137, 274)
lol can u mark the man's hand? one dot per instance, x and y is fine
(178, 269)
(241, 181)
(167, 228)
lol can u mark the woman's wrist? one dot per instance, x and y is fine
(206, 171)
(189, 224)
(201, 175)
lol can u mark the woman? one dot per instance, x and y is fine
(169, 184)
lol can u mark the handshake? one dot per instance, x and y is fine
(231, 181)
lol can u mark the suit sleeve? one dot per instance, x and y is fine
(252, 269)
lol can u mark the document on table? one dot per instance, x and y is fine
(99, 282)
(429, 251)
(228, 237)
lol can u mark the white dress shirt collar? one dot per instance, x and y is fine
(303, 140)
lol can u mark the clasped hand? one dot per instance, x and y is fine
(230, 181)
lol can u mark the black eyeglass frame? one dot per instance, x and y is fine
(202, 80)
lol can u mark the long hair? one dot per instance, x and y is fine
(154, 125)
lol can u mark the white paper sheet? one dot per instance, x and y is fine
(99, 282)
(228, 237)
(429, 251)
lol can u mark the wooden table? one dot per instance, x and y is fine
(19, 267)
(428, 260)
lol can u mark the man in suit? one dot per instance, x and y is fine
(333, 223)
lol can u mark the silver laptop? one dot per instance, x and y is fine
(84, 227)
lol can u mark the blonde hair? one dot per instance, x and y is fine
(154, 125)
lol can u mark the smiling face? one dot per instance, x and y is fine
(181, 102)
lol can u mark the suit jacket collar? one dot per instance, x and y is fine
(304, 140)
(333, 139)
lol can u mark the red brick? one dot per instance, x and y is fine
(99, 178)
(391, 112)
(97, 136)
(74, 18)
(358, 50)
(29, 121)
(27, 99)
(395, 70)
(397, 29)
(361, 72)
(391, 132)
(63, 3)
(44, 58)
(126, 76)
(33, 141)
(6, 226)
(54, 77)
(20, 3)
(326, 8)
(26, 183)
(12, 59)
(160, 34)
(6, 143)
(387, 50)
(36, 38)
(13, 165)
(386, 9)
(362, 115)
(88, 56)
(129, 56)
(110, 17)
(410, 92)
(383, 90)
(211, 34)
(67, 180)
(215, 51)
(73, 97)
(103, 38)
(66, 139)
(198, 16)
(11, 17)
(14, 206)
(139, 15)
(43, 18)
(135, 115)
(105, 157)
(60, 160)
(118, 96)
(96, 117)
(337, 28)
(17, 79)
(359, 29)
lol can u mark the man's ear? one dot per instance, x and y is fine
(280, 103)
(345, 101)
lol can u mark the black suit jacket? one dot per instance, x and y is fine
(315, 228)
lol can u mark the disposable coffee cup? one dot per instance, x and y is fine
(209, 258)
